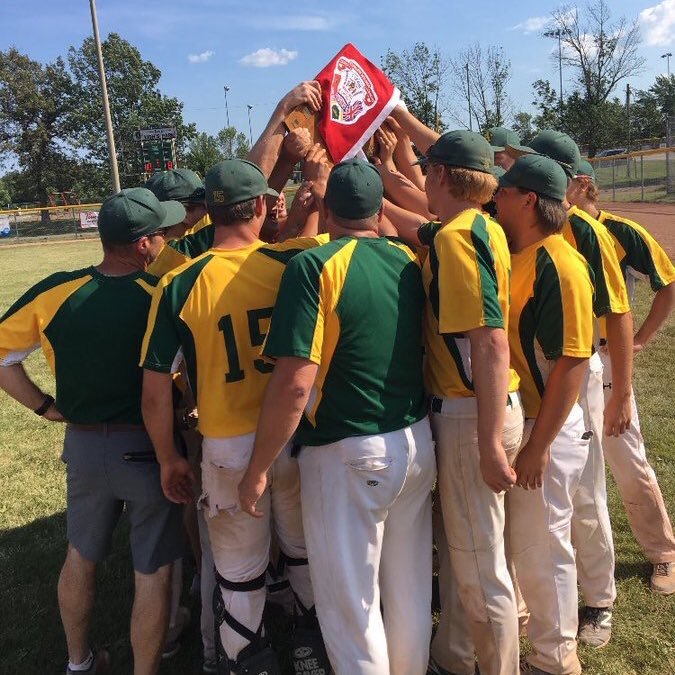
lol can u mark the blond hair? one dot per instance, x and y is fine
(471, 186)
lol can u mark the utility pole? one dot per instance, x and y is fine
(468, 95)
(558, 33)
(628, 125)
(667, 56)
(114, 173)
(227, 110)
(250, 129)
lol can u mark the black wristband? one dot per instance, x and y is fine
(46, 404)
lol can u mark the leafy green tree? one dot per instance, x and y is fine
(548, 106)
(523, 126)
(36, 103)
(203, 152)
(421, 75)
(135, 101)
(233, 143)
(5, 195)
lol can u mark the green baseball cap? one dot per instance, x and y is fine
(182, 185)
(586, 169)
(500, 137)
(539, 174)
(235, 180)
(464, 149)
(554, 144)
(133, 213)
(497, 171)
(354, 190)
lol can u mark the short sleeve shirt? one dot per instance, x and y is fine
(354, 307)
(551, 313)
(466, 277)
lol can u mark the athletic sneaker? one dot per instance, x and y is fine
(595, 626)
(663, 578)
(99, 666)
(172, 644)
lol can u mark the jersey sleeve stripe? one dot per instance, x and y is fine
(492, 312)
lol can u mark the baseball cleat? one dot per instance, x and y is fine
(663, 578)
(595, 626)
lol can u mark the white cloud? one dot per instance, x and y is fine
(658, 22)
(200, 58)
(299, 22)
(532, 25)
(266, 57)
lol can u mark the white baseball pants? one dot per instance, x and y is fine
(240, 543)
(638, 487)
(541, 548)
(481, 592)
(367, 520)
(591, 528)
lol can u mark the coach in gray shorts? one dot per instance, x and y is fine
(90, 324)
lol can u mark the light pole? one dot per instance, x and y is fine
(667, 56)
(468, 95)
(114, 173)
(250, 129)
(558, 33)
(227, 110)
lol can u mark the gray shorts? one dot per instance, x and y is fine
(100, 483)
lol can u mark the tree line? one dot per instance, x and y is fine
(52, 135)
(598, 54)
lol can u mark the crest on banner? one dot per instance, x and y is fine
(352, 93)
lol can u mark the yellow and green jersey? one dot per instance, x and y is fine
(197, 240)
(90, 328)
(551, 313)
(354, 307)
(466, 277)
(592, 239)
(638, 251)
(214, 312)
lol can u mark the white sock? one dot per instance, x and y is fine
(84, 666)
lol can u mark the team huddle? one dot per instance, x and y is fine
(432, 347)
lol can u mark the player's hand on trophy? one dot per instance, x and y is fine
(297, 144)
(316, 169)
(251, 489)
(387, 141)
(307, 93)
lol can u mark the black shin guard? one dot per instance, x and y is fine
(257, 658)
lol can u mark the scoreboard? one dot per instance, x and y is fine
(158, 149)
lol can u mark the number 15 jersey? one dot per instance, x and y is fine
(214, 312)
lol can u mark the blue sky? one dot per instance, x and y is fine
(202, 45)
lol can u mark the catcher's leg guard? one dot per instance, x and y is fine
(257, 658)
(307, 650)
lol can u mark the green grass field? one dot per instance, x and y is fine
(32, 520)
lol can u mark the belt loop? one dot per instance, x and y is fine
(436, 404)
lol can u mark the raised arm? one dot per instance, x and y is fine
(419, 133)
(265, 152)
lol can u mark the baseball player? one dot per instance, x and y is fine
(550, 338)
(346, 336)
(213, 313)
(640, 257)
(591, 530)
(476, 414)
(90, 324)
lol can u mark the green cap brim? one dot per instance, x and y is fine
(197, 197)
(271, 192)
(174, 213)
(497, 148)
(516, 151)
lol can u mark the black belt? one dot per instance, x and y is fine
(106, 427)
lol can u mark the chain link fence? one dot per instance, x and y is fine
(643, 175)
(62, 222)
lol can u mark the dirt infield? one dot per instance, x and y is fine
(658, 218)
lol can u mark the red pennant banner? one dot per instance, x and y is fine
(356, 98)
